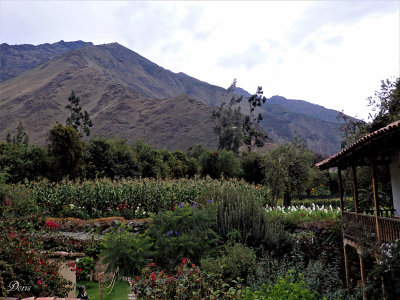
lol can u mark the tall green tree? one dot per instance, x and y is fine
(385, 104)
(351, 129)
(385, 109)
(79, 119)
(288, 170)
(232, 127)
(66, 152)
(228, 122)
(251, 131)
(20, 138)
(22, 161)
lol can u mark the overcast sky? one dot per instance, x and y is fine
(332, 53)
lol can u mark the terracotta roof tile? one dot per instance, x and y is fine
(395, 126)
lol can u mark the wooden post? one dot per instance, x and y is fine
(376, 202)
(355, 190)
(346, 265)
(100, 277)
(363, 278)
(340, 190)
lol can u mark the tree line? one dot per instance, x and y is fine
(287, 170)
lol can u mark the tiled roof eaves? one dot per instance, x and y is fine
(367, 138)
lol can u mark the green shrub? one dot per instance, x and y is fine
(236, 261)
(389, 269)
(184, 231)
(228, 164)
(125, 252)
(86, 264)
(243, 215)
(269, 269)
(253, 166)
(292, 287)
(325, 279)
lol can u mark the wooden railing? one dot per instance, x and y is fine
(390, 228)
(389, 213)
(357, 224)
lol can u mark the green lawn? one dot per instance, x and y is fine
(120, 291)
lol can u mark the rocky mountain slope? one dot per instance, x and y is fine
(16, 59)
(131, 97)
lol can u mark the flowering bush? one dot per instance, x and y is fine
(295, 214)
(84, 267)
(183, 231)
(189, 282)
(31, 268)
(52, 225)
(389, 269)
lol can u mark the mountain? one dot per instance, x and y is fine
(131, 97)
(306, 108)
(116, 109)
(16, 59)
(282, 124)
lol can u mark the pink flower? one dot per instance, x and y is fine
(39, 281)
(152, 276)
(152, 264)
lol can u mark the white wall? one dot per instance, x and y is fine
(395, 175)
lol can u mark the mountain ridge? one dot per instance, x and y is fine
(16, 59)
(99, 73)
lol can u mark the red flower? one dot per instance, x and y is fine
(75, 242)
(184, 261)
(137, 278)
(39, 282)
(52, 225)
(152, 276)
(302, 215)
(152, 264)
(193, 265)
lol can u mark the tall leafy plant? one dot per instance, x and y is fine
(126, 253)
